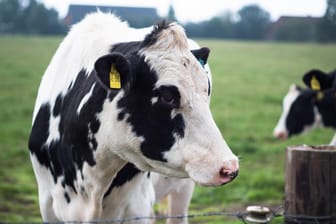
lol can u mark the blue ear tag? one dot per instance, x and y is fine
(201, 62)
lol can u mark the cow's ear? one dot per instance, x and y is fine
(201, 55)
(114, 72)
(317, 80)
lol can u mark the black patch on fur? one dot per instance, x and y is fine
(152, 37)
(153, 122)
(124, 175)
(63, 157)
(209, 86)
(67, 197)
(39, 135)
(327, 108)
(128, 48)
(301, 112)
(57, 106)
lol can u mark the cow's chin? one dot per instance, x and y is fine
(214, 184)
(164, 169)
(145, 164)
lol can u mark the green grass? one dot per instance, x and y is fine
(22, 61)
(250, 79)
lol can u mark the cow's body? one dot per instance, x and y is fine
(153, 113)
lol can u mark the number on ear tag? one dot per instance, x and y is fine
(115, 82)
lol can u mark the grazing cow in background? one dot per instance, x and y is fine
(305, 109)
(106, 100)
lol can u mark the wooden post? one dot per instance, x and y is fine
(310, 189)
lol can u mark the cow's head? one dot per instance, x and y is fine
(302, 110)
(319, 80)
(163, 116)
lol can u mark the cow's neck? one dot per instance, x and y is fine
(327, 109)
(110, 139)
(107, 167)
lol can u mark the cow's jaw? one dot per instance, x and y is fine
(204, 168)
(202, 152)
(145, 164)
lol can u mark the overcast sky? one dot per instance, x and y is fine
(196, 10)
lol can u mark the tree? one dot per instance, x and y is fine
(39, 20)
(171, 14)
(9, 12)
(331, 11)
(327, 26)
(32, 18)
(221, 26)
(296, 29)
(253, 22)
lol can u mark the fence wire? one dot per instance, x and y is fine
(239, 215)
(303, 219)
(242, 216)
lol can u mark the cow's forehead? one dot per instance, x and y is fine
(170, 58)
(166, 37)
(181, 70)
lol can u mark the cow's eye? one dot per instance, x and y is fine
(168, 97)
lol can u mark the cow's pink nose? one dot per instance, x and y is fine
(281, 135)
(227, 174)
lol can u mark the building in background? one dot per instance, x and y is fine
(294, 28)
(135, 16)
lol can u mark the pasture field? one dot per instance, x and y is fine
(249, 82)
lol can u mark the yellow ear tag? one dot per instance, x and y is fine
(114, 78)
(314, 83)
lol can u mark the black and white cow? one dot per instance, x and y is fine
(106, 100)
(139, 202)
(304, 110)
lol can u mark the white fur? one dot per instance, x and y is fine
(179, 193)
(85, 99)
(134, 199)
(288, 100)
(87, 41)
(333, 141)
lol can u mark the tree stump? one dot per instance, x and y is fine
(310, 191)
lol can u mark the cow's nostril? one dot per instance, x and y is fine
(281, 135)
(234, 174)
(224, 173)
